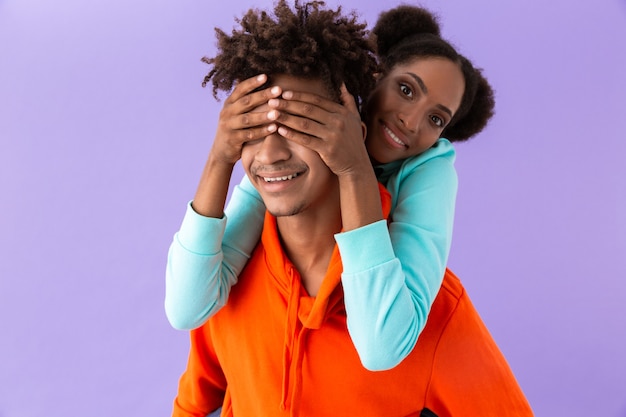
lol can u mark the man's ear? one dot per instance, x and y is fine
(364, 129)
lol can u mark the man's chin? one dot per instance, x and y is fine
(285, 211)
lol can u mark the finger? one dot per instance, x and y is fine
(303, 139)
(256, 99)
(309, 99)
(348, 100)
(242, 136)
(305, 125)
(246, 98)
(255, 133)
(246, 86)
(303, 115)
(248, 120)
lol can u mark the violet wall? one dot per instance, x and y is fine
(104, 129)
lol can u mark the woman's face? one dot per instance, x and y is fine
(410, 106)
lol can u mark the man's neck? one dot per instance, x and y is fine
(308, 241)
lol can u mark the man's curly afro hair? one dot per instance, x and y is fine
(309, 41)
(407, 33)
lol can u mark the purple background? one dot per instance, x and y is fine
(104, 129)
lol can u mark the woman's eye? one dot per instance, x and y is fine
(438, 121)
(406, 90)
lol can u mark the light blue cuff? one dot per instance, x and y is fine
(198, 233)
(366, 247)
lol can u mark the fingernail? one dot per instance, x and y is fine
(272, 114)
(261, 78)
(271, 128)
(272, 102)
(287, 94)
(275, 90)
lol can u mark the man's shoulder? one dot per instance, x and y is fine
(451, 286)
(452, 308)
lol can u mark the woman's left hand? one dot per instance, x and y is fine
(335, 131)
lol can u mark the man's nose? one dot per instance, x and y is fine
(274, 148)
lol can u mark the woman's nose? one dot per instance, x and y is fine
(411, 120)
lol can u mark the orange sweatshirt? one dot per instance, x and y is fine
(275, 351)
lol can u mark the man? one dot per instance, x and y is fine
(280, 344)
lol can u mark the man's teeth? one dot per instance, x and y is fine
(394, 137)
(276, 179)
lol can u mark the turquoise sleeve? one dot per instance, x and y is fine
(399, 270)
(207, 255)
(244, 213)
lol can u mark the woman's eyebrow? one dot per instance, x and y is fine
(419, 82)
(444, 109)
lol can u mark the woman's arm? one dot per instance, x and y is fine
(210, 249)
(399, 270)
(207, 255)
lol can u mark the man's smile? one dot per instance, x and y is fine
(283, 178)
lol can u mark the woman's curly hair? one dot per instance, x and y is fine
(407, 33)
(309, 41)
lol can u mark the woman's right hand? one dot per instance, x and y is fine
(239, 122)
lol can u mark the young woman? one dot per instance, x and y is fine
(425, 91)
